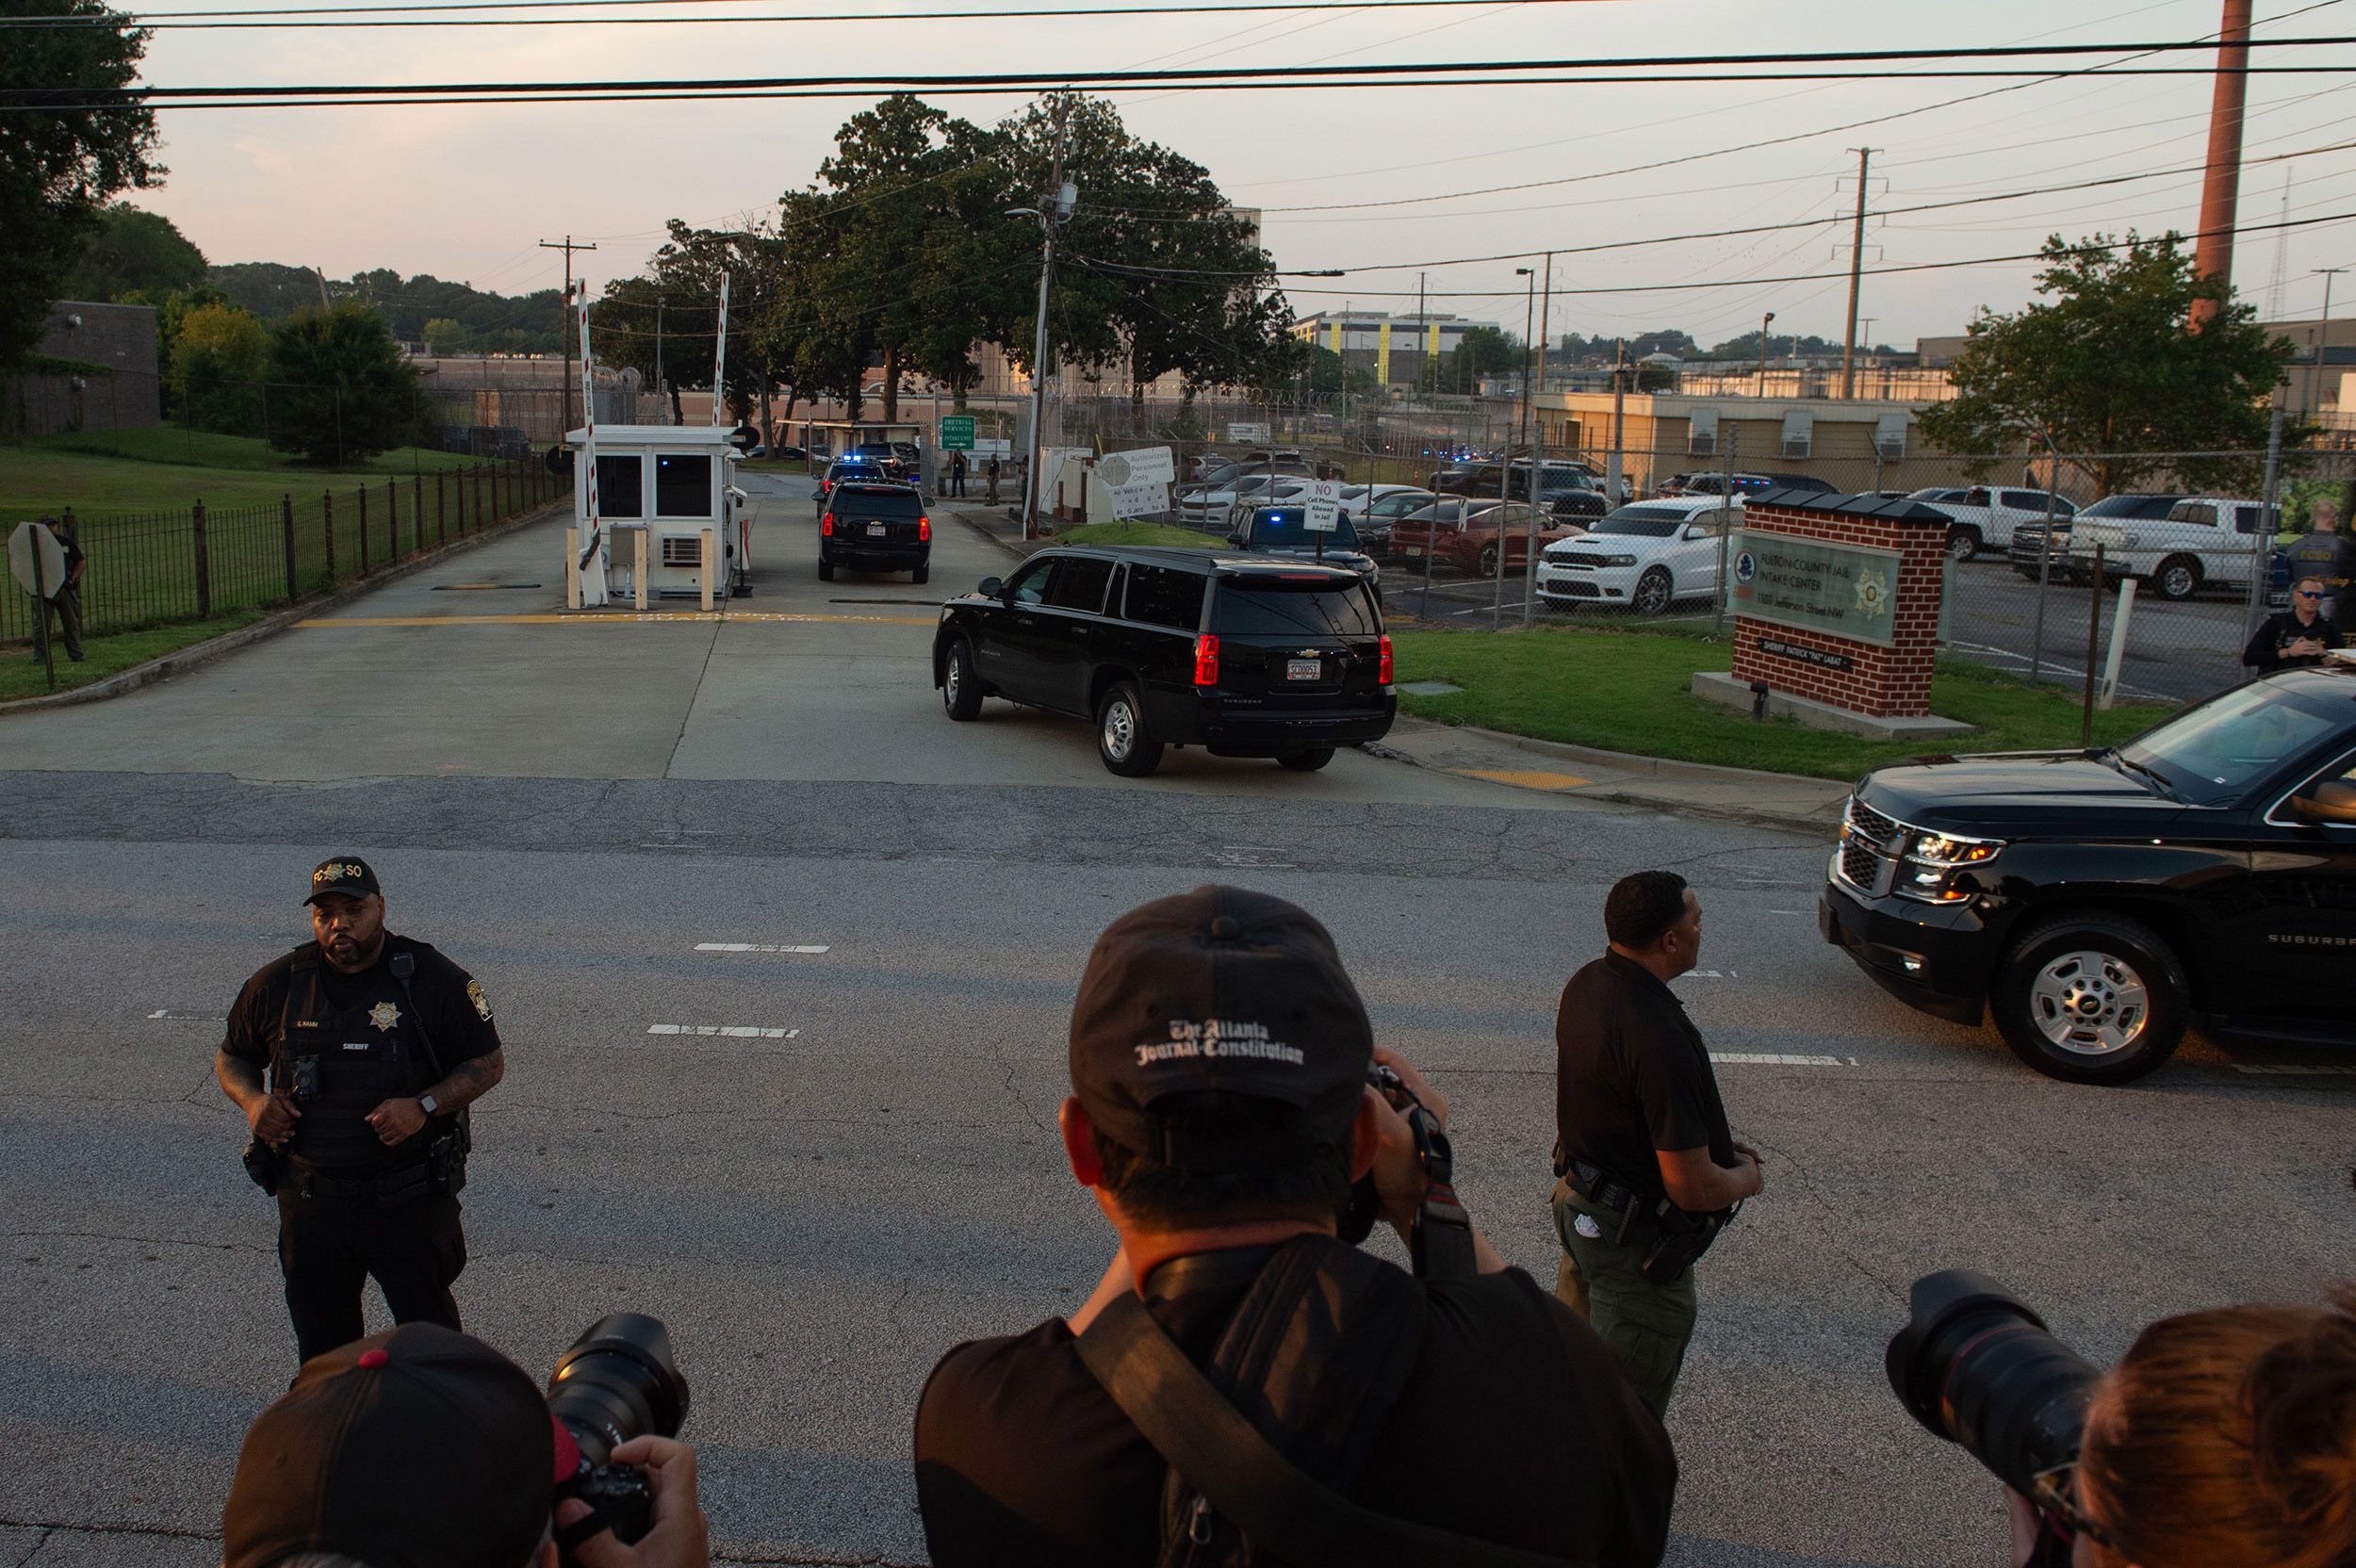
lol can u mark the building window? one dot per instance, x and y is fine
(1701, 432)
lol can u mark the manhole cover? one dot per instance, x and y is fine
(1430, 687)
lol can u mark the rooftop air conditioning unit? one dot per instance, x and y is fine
(1703, 444)
(1797, 446)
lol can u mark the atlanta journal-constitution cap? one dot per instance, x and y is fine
(346, 874)
(1218, 988)
(417, 1448)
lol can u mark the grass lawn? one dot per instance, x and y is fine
(1139, 534)
(1629, 692)
(166, 468)
(21, 676)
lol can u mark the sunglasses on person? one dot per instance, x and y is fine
(2311, 593)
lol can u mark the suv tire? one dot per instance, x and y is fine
(960, 688)
(921, 573)
(1963, 543)
(1305, 761)
(2178, 577)
(1489, 562)
(2091, 998)
(826, 571)
(1655, 591)
(1122, 741)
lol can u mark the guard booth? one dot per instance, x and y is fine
(674, 523)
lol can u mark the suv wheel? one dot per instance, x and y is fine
(1653, 592)
(826, 571)
(921, 574)
(1489, 562)
(2091, 998)
(2179, 577)
(1962, 543)
(1121, 737)
(1306, 761)
(960, 688)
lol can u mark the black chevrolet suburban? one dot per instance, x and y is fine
(870, 526)
(2099, 902)
(1244, 656)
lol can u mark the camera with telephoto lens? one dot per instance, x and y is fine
(617, 1381)
(1976, 1367)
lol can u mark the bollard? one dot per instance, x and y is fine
(204, 563)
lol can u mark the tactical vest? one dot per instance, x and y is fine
(338, 1064)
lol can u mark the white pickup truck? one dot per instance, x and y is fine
(2203, 541)
(1984, 516)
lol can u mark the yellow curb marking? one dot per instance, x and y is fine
(1525, 779)
(629, 619)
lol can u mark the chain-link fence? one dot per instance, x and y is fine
(149, 568)
(2153, 568)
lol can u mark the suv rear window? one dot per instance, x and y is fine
(1254, 607)
(1161, 595)
(878, 501)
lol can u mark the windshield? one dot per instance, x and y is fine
(1247, 608)
(2215, 752)
(1289, 529)
(1399, 506)
(1647, 522)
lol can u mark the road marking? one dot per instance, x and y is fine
(1525, 778)
(2293, 1070)
(724, 1031)
(1776, 1058)
(185, 1017)
(1247, 856)
(319, 623)
(1710, 975)
(479, 587)
(752, 947)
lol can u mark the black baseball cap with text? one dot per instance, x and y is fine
(345, 875)
(1219, 989)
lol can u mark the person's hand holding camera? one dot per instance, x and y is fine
(679, 1537)
(1400, 1178)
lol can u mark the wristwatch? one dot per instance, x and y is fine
(427, 1103)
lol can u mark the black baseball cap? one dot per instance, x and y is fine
(1227, 989)
(420, 1447)
(346, 874)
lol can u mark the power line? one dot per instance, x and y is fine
(391, 16)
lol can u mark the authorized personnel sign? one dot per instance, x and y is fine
(1137, 483)
(956, 433)
(1842, 589)
(1322, 506)
(32, 542)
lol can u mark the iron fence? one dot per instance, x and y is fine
(144, 569)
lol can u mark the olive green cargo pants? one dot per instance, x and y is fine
(1646, 1325)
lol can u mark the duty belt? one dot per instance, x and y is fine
(1612, 1195)
(386, 1186)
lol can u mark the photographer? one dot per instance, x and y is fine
(1219, 1060)
(421, 1447)
(2222, 1437)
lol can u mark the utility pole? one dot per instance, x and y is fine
(1059, 200)
(1423, 337)
(2323, 339)
(1765, 323)
(1618, 465)
(2221, 187)
(569, 245)
(661, 392)
(1856, 277)
(1537, 455)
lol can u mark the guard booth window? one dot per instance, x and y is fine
(621, 483)
(683, 485)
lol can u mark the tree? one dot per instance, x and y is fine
(2107, 363)
(61, 159)
(445, 337)
(136, 252)
(341, 389)
(220, 357)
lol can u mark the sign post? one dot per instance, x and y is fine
(956, 433)
(37, 560)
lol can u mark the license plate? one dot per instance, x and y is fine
(878, 530)
(1411, 551)
(1303, 669)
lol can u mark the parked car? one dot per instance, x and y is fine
(2204, 541)
(1285, 531)
(1987, 516)
(2096, 903)
(900, 459)
(1717, 485)
(875, 526)
(2029, 542)
(1384, 509)
(1495, 481)
(1245, 656)
(1645, 556)
(1224, 472)
(1461, 533)
(1216, 508)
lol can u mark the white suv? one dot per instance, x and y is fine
(1984, 516)
(1645, 556)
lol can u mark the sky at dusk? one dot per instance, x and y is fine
(468, 192)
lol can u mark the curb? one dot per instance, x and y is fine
(1629, 761)
(181, 661)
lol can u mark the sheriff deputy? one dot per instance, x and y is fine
(374, 1044)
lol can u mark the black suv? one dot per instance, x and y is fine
(2097, 902)
(1244, 656)
(870, 526)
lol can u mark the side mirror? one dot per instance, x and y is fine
(2333, 802)
(1697, 533)
(1234, 539)
(992, 587)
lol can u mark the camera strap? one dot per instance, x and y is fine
(1284, 1511)
(1441, 1240)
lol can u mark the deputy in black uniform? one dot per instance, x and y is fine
(374, 1045)
(2298, 636)
(1647, 1170)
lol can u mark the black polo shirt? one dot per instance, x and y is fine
(1631, 1075)
(1530, 1439)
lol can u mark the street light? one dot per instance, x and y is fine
(1765, 323)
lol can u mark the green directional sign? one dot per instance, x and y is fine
(956, 433)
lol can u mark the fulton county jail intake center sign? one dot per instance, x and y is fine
(1841, 589)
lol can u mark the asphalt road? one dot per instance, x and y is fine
(611, 822)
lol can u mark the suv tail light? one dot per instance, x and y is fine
(1383, 668)
(1207, 659)
(924, 530)
(826, 526)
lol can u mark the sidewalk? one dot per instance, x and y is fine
(998, 523)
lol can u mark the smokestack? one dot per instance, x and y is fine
(2220, 190)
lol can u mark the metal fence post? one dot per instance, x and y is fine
(363, 529)
(392, 519)
(2094, 633)
(417, 506)
(204, 563)
(327, 531)
(2269, 524)
(441, 519)
(1726, 536)
(285, 517)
